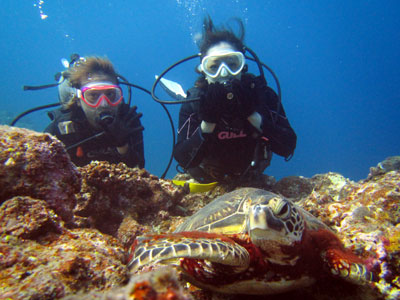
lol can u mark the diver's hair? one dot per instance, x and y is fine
(92, 65)
(213, 35)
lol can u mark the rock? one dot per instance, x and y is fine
(112, 192)
(366, 217)
(159, 284)
(389, 164)
(41, 259)
(59, 265)
(28, 218)
(129, 229)
(37, 165)
(294, 187)
(331, 184)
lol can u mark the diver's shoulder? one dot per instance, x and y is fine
(59, 113)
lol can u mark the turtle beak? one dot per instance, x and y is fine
(265, 227)
(262, 218)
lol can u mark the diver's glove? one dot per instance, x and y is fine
(124, 125)
(213, 102)
(244, 98)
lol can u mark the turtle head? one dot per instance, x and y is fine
(274, 221)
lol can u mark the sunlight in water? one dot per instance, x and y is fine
(195, 10)
(39, 5)
(61, 27)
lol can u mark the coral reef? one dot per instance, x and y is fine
(389, 164)
(27, 218)
(65, 231)
(293, 187)
(366, 217)
(160, 284)
(112, 193)
(37, 165)
(41, 259)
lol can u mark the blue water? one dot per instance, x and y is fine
(337, 62)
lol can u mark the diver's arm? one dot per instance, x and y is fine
(122, 150)
(189, 150)
(133, 152)
(133, 156)
(52, 129)
(139, 149)
(281, 135)
(63, 127)
(207, 127)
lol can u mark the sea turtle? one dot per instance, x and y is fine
(251, 241)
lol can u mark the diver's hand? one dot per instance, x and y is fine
(213, 103)
(124, 125)
(245, 102)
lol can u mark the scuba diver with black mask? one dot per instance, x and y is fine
(94, 122)
(230, 134)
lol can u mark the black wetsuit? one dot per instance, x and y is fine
(72, 128)
(227, 153)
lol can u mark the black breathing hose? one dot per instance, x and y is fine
(16, 119)
(170, 120)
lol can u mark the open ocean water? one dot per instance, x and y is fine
(337, 62)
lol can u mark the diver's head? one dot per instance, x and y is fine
(222, 63)
(98, 91)
(222, 52)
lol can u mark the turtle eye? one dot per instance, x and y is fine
(283, 211)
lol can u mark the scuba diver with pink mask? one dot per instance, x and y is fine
(94, 122)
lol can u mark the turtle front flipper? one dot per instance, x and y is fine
(193, 245)
(344, 266)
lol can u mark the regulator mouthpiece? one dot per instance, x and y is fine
(106, 119)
